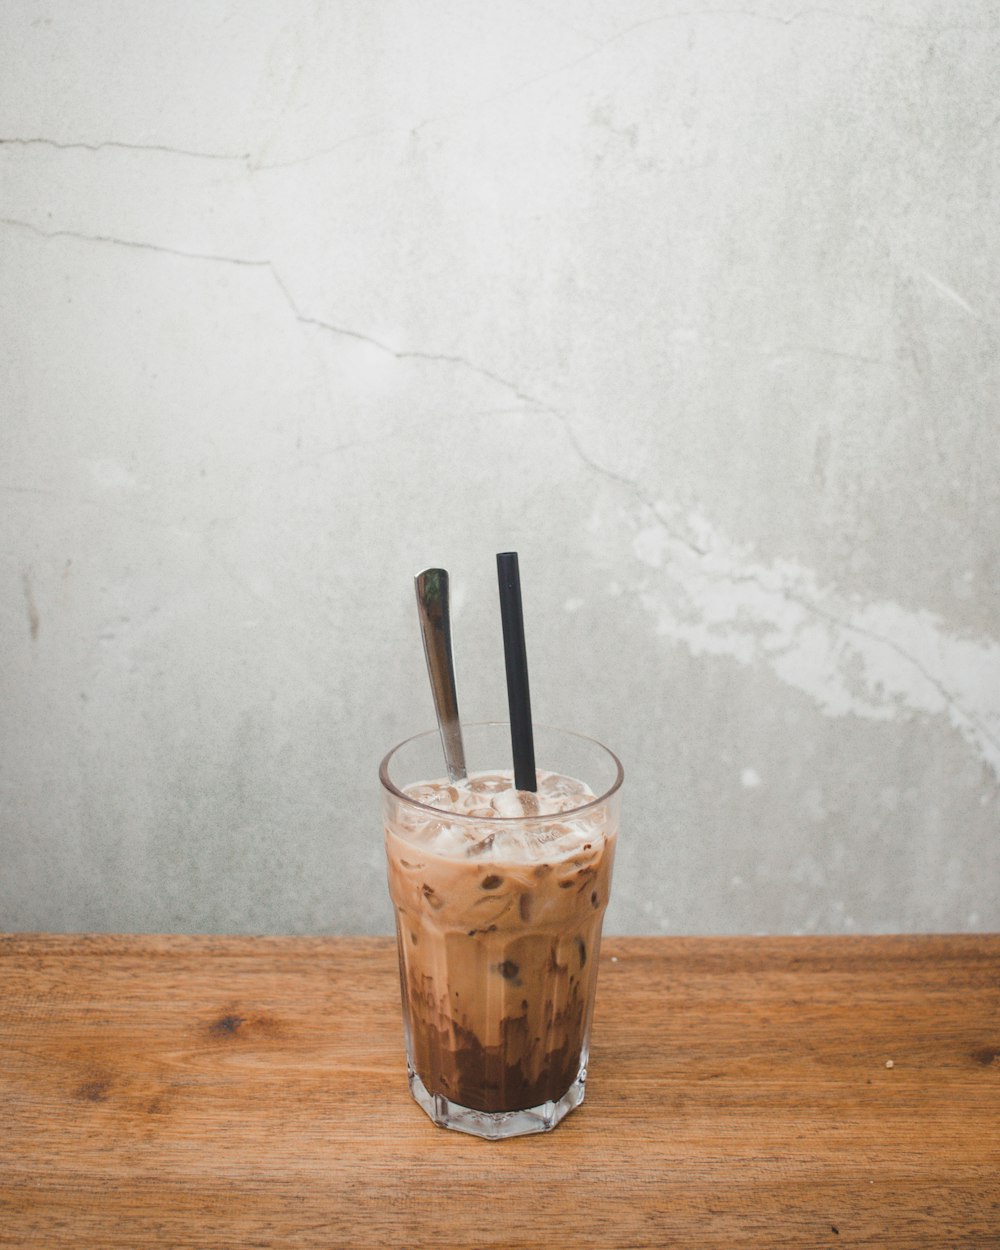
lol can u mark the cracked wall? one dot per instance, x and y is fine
(694, 306)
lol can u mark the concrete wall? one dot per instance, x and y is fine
(694, 306)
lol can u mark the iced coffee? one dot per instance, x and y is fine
(499, 897)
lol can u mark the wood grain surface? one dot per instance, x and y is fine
(241, 1092)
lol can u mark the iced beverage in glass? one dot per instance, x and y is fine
(499, 898)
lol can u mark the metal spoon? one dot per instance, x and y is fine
(435, 629)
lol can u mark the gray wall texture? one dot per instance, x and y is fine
(694, 306)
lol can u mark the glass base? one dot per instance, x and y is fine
(495, 1125)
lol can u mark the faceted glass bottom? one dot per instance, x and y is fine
(496, 1125)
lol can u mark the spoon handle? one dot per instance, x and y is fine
(435, 629)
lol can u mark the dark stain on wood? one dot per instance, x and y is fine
(238, 1023)
(227, 1025)
(94, 1091)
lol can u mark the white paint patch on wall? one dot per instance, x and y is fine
(879, 661)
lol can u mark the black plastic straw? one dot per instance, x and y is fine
(518, 699)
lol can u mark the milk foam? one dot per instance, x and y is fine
(491, 799)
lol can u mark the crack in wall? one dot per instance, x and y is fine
(135, 244)
(83, 146)
(396, 353)
(258, 165)
(531, 400)
(710, 615)
(770, 585)
(950, 698)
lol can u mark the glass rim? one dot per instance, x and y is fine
(388, 784)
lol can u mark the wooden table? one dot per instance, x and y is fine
(242, 1092)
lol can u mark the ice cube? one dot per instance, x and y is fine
(556, 786)
(480, 847)
(424, 792)
(489, 783)
(446, 797)
(515, 803)
(449, 839)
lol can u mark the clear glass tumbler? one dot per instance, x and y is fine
(499, 934)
